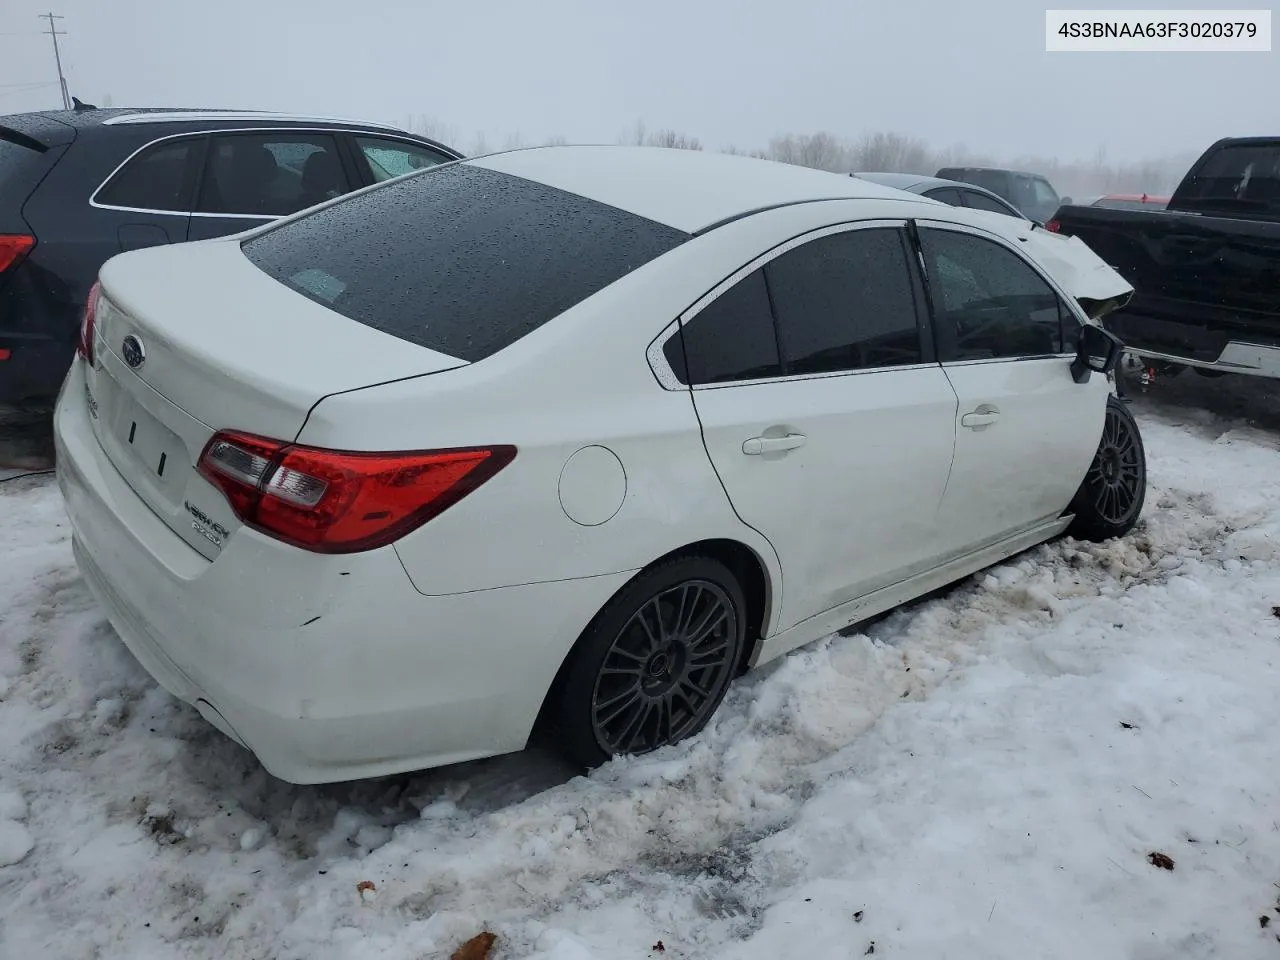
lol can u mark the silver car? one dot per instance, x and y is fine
(951, 192)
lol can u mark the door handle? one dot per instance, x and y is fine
(979, 419)
(758, 445)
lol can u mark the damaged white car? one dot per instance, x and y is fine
(570, 435)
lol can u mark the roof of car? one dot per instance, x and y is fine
(1008, 170)
(907, 181)
(90, 116)
(686, 189)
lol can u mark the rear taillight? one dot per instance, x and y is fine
(85, 346)
(14, 248)
(1053, 226)
(332, 501)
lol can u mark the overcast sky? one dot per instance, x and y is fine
(726, 71)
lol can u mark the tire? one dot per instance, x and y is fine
(1111, 496)
(624, 669)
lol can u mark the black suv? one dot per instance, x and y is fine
(77, 187)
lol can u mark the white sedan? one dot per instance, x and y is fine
(568, 436)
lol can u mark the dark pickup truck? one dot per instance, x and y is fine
(1206, 269)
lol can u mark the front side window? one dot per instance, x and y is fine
(845, 302)
(395, 158)
(270, 175)
(989, 303)
(156, 179)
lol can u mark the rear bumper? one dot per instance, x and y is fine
(327, 668)
(1197, 344)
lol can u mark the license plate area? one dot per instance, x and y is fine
(144, 449)
(152, 445)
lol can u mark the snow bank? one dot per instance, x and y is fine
(984, 775)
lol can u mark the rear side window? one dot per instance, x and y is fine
(157, 178)
(732, 338)
(460, 259)
(271, 175)
(981, 201)
(845, 302)
(947, 195)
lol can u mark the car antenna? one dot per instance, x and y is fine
(80, 105)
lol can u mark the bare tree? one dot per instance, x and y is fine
(893, 153)
(822, 151)
(641, 137)
(433, 128)
(890, 151)
(671, 139)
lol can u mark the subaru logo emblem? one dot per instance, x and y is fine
(132, 351)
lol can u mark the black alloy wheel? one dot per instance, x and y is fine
(654, 664)
(1113, 491)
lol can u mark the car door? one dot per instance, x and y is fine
(252, 177)
(146, 202)
(1025, 430)
(382, 158)
(823, 413)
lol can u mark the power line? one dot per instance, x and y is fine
(23, 90)
(54, 32)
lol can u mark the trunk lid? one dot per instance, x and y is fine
(191, 339)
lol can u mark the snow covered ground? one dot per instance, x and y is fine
(985, 775)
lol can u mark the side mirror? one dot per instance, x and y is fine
(1097, 351)
(1065, 202)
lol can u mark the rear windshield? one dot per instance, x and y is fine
(1245, 176)
(459, 259)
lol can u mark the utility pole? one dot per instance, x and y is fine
(55, 33)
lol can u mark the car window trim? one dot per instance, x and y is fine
(208, 134)
(196, 156)
(666, 376)
(1073, 308)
